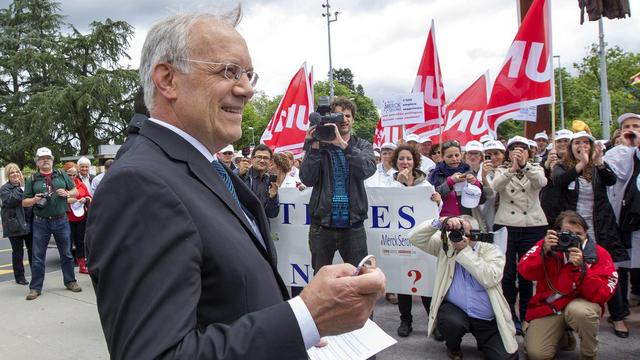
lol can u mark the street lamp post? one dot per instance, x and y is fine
(561, 92)
(605, 101)
(329, 21)
(253, 140)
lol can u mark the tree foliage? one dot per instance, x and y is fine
(58, 87)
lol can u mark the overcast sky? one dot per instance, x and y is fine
(381, 41)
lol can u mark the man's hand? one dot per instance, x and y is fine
(243, 166)
(340, 302)
(575, 256)
(309, 135)
(337, 140)
(550, 241)
(461, 244)
(273, 189)
(62, 193)
(453, 223)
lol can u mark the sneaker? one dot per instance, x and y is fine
(404, 329)
(454, 354)
(22, 282)
(73, 286)
(33, 294)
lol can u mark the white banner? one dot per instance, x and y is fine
(403, 110)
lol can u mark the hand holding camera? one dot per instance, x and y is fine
(458, 177)
(564, 241)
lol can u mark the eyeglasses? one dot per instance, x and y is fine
(232, 71)
(262, 157)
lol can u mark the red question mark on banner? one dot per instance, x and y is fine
(418, 277)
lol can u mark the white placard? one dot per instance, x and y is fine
(403, 110)
(528, 113)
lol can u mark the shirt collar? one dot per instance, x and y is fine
(190, 139)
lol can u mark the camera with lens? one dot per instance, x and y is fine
(456, 235)
(566, 240)
(321, 118)
(482, 237)
(43, 200)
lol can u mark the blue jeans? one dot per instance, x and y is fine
(42, 231)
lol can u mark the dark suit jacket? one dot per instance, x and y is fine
(177, 271)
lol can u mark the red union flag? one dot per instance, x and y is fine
(386, 134)
(466, 114)
(526, 77)
(288, 126)
(429, 82)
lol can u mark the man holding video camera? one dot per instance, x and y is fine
(335, 165)
(575, 278)
(255, 175)
(467, 293)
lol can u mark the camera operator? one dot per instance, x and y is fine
(336, 168)
(575, 277)
(257, 178)
(48, 189)
(467, 294)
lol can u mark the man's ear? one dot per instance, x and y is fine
(163, 76)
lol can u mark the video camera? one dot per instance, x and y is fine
(43, 200)
(567, 240)
(321, 118)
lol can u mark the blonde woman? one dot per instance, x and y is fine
(16, 220)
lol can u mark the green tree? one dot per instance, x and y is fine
(344, 77)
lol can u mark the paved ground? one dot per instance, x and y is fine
(65, 325)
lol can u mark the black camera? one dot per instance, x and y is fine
(482, 237)
(566, 240)
(456, 235)
(273, 178)
(43, 200)
(321, 118)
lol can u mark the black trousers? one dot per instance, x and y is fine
(454, 323)
(17, 254)
(623, 282)
(77, 237)
(351, 243)
(405, 303)
(520, 240)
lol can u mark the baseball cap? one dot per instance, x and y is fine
(533, 144)
(485, 138)
(412, 137)
(473, 146)
(388, 145)
(518, 140)
(424, 139)
(494, 145)
(564, 134)
(626, 116)
(43, 151)
(227, 148)
(541, 135)
(580, 134)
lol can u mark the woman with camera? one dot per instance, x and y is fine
(575, 277)
(76, 213)
(582, 178)
(405, 159)
(449, 178)
(517, 182)
(494, 157)
(16, 220)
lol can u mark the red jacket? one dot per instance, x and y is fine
(598, 284)
(82, 192)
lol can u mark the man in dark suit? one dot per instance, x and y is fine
(188, 271)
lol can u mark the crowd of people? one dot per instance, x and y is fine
(570, 206)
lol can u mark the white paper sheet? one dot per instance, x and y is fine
(356, 345)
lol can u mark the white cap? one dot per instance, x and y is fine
(388, 145)
(227, 148)
(43, 151)
(580, 134)
(486, 137)
(564, 134)
(473, 146)
(84, 161)
(471, 196)
(494, 145)
(626, 116)
(541, 135)
(533, 144)
(518, 139)
(77, 208)
(412, 137)
(424, 139)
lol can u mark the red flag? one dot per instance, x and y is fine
(287, 129)
(429, 82)
(466, 114)
(386, 134)
(526, 77)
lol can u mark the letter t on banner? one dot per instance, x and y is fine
(429, 82)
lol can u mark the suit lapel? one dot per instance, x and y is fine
(179, 149)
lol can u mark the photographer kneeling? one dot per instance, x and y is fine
(575, 279)
(467, 294)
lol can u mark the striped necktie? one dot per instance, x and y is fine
(226, 179)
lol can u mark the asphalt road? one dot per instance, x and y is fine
(6, 269)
